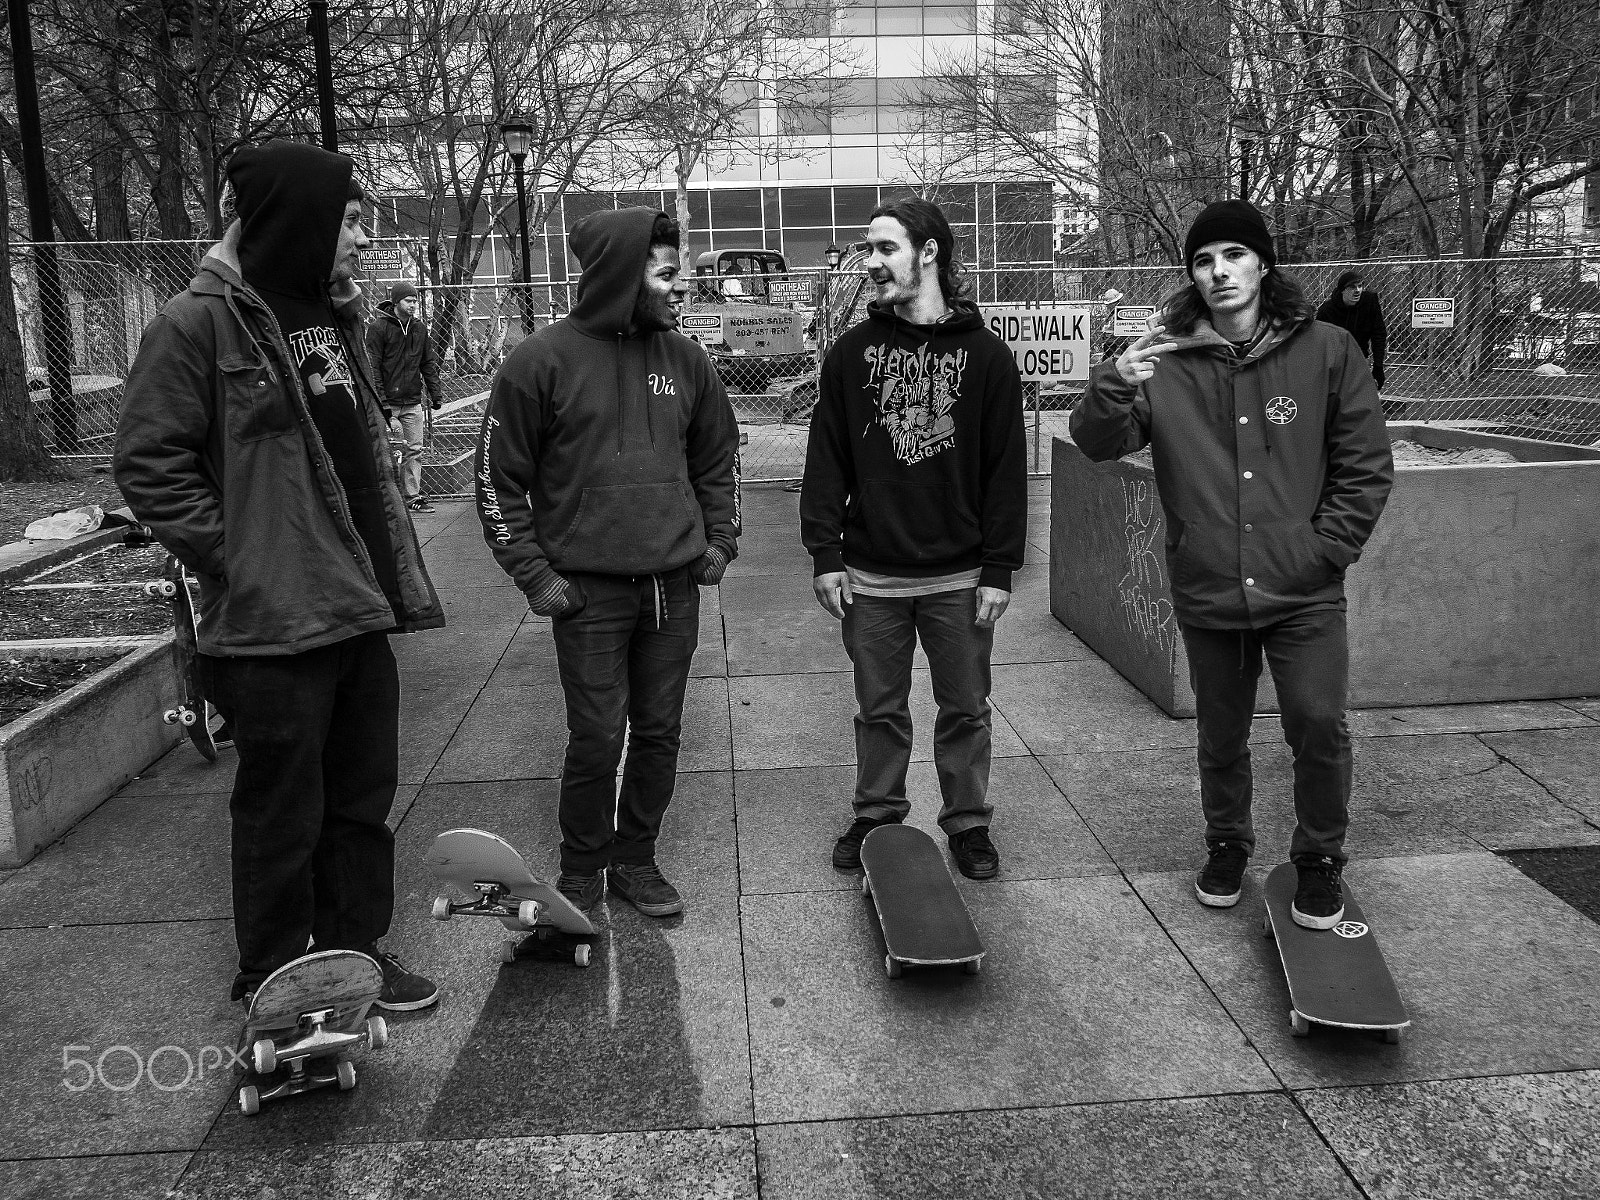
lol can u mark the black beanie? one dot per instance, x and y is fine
(401, 291)
(1229, 221)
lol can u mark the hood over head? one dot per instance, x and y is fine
(290, 198)
(612, 246)
(1346, 278)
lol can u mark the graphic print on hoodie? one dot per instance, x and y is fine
(291, 198)
(916, 391)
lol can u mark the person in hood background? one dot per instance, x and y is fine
(1355, 308)
(608, 489)
(1273, 466)
(913, 507)
(251, 442)
(404, 362)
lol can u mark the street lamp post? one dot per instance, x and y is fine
(322, 53)
(518, 138)
(831, 257)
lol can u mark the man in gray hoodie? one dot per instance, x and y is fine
(608, 489)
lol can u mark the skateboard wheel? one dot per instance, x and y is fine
(972, 967)
(264, 1056)
(1298, 1024)
(171, 717)
(441, 908)
(377, 1033)
(508, 950)
(346, 1073)
(166, 589)
(249, 1100)
(866, 886)
(1391, 1036)
(892, 965)
(580, 954)
(186, 717)
(528, 912)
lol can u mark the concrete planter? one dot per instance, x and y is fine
(59, 762)
(1478, 585)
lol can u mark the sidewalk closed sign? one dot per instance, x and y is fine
(1436, 312)
(1132, 320)
(1050, 343)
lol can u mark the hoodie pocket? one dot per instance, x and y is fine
(256, 403)
(632, 528)
(911, 523)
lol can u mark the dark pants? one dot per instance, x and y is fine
(624, 661)
(880, 635)
(318, 741)
(1309, 656)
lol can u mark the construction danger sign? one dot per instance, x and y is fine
(1050, 343)
(1433, 312)
(1132, 320)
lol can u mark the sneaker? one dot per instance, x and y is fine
(420, 504)
(847, 850)
(1222, 878)
(975, 855)
(403, 990)
(642, 885)
(583, 890)
(1319, 900)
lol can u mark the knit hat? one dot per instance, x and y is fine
(1229, 221)
(401, 291)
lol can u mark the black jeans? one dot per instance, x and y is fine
(624, 662)
(1310, 659)
(318, 741)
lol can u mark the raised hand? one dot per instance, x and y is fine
(1138, 361)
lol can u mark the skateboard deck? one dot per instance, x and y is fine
(194, 714)
(925, 922)
(1336, 976)
(312, 1009)
(497, 883)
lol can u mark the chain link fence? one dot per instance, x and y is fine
(1521, 354)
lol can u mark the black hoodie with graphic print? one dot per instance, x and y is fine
(607, 447)
(916, 464)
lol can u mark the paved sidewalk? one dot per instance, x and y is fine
(1120, 1041)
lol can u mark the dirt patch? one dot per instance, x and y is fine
(101, 610)
(24, 503)
(26, 683)
(1415, 454)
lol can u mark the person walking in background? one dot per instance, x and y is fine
(402, 355)
(1273, 466)
(608, 490)
(913, 506)
(252, 444)
(1355, 308)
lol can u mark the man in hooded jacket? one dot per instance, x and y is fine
(608, 490)
(1273, 466)
(404, 363)
(1354, 307)
(251, 442)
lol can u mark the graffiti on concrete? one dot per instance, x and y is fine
(1146, 604)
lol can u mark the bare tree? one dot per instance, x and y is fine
(24, 457)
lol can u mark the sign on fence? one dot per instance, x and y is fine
(702, 326)
(387, 262)
(1051, 343)
(789, 291)
(1433, 312)
(1132, 320)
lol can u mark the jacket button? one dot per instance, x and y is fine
(1248, 475)
(1244, 420)
(1249, 528)
(1250, 582)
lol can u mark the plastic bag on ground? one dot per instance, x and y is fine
(71, 523)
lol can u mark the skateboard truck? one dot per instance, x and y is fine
(495, 900)
(267, 1055)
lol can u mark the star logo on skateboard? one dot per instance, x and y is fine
(1281, 410)
(1350, 929)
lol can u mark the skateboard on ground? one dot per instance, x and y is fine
(925, 923)
(486, 869)
(1336, 976)
(312, 1009)
(194, 713)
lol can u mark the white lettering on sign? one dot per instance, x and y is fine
(1132, 320)
(703, 327)
(385, 262)
(1050, 344)
(1433, 312)
(789, 291)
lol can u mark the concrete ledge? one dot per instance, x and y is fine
(18, 560)
(67, 648)
(59, 762)
(1477, 586)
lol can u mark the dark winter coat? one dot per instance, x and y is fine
(1364, 321)
(1272, 470)
(403, 358)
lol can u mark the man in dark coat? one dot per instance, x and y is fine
(1355, 308)
(402, 355)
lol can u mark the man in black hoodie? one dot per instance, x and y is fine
(608, 489)
(1354, 307)
(914, 509)
(404, 362)
(252, 443)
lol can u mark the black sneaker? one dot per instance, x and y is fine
(1319, 900)
(975, 855)
(583, 890)
(420, 504)
(642, 885)
(1222, 878)
(403, 990)
(847, 850)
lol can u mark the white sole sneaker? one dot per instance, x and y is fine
(1309, 922)
(1212, 900)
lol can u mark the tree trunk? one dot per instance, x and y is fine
(23, 456)
(682, 169)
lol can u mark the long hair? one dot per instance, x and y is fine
(925, 221)
(1283, 301)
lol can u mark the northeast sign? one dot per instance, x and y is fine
(1050, 342)
(387, 262)
(1433, 312)
(789, 291)
(1132, 320)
